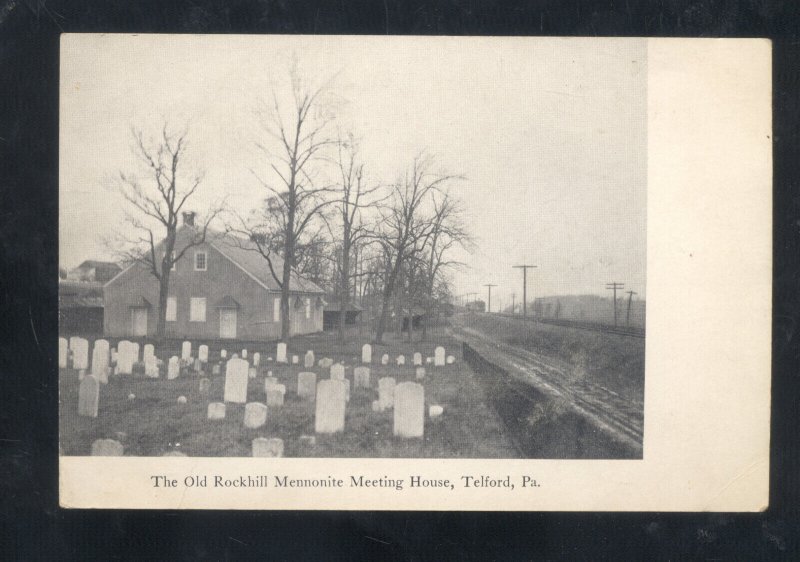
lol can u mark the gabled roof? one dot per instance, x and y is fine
(95, 263)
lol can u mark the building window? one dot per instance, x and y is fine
(172, 309)
(200, 261)
(197, 309)
(308, 308)
(276, 310)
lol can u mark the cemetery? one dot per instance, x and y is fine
(314, 398)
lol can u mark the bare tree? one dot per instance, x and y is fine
(297, 135)
(155, 203)
(354, 195)
(404, 225)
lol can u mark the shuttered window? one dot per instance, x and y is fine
(197, 309)
(172, 309)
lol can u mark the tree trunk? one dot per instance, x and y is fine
(344, 290)
(163, 293)
(285, 324)
(388, 289)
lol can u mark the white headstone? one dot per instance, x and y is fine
(186, 350)
(308, 360)
(124, 358)
(80, 353)
(347, 390)
(252, 372)
(330, 407)
(281, 354)
(88, 396)
(325, 362)
(149, 351)
(337, 372)
(420, 373)
(361, 377)
(306, 385)
(263, 447)
(450, 359)
(428, 360)
(223, 354)
(173, 367)
(100, 359)
(256, 359)
(202, 353)
(409, 410)
(151, 366)
(435, 411)
(182, 400)
(215, 369)
(216, 411)
(438, 357)
(255, 414)
(366, 353)
(236, 376)
(63, 351)
(417, 359)
(386, 392)
(385, 359)
(401, 360)
(295, 359)
(275, 394)
(107, 448)
(244, 354)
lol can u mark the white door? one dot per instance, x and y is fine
(227, 323)
(139, 321)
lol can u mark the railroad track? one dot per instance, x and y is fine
(631, 332)
(618, 417)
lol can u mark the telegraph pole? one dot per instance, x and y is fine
(524, 269)
(628, 315)
(489, 304)
(614, 286)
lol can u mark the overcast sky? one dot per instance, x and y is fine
(550, 135)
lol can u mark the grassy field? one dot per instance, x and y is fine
(154, 423)
(613, 361)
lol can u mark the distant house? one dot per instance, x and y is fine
(332, 311)
(222, 289)
(80, 307)
(91, 270)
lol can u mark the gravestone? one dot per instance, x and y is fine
(244, 354)
(252, 372)
(270, 381)
(182, 400)
(198, 365)
(420, 373)
(347, 390)
(417, 359)
(124, 358)
(450, 359)
(216, 369)
(223, 354)
(151, 366)
(438, 357)
(148, 351)
(256, 359)
(295, 360)
(308, 360)
(63, 351)
(255, 415)
(205, 384)
(281, 353)
(107, 448)
(337, 372)
(401, 360)
(135, 352)
(385, 359)
(275, 394)
(330, 407)
(80, 353)
(306, 385)
(186, 350)
(173, 367)
(88, 396)
(386, 392)
(216, 411)
(361, 377)
(366, 353)
(435, 411)
(263, 447)
(202, 353)
(236, 377)
(428, 360)
(100, 360)
(325, 362)
(409, 410)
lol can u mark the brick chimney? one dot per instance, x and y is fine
(188, 218)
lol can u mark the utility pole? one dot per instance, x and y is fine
(489, 305)
(524, 269)
(628, 315)
(614, 286)
(513, 303)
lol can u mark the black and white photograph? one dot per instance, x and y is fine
(344, 247)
